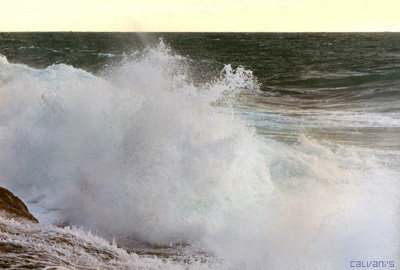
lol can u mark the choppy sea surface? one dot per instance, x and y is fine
(201, 151)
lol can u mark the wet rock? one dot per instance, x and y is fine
(12, 206)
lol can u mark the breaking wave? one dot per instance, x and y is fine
(147, 153)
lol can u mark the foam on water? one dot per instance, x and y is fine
(144, 153)
(34, 246)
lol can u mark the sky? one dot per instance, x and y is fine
(200, 15)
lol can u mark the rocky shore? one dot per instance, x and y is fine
(12, 207)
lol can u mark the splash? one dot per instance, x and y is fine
(144, 152)
(34, 246)
(143, 146)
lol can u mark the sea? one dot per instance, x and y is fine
(201, 150)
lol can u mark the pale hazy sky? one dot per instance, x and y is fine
(200, 15)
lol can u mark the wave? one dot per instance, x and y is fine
(340, 91)
(146, 153)
(34, 246)
(343, 80)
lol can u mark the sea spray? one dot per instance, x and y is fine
(145, 152)
(141, 153)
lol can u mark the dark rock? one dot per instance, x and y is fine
(13, 207)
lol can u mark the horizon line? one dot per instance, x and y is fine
(207, 32)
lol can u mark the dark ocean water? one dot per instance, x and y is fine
(227, 150)
(351, 72)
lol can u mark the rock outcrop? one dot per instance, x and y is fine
(12, 206)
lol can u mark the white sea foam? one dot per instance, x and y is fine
(109, 55)
(39, 246)
(143, 153)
